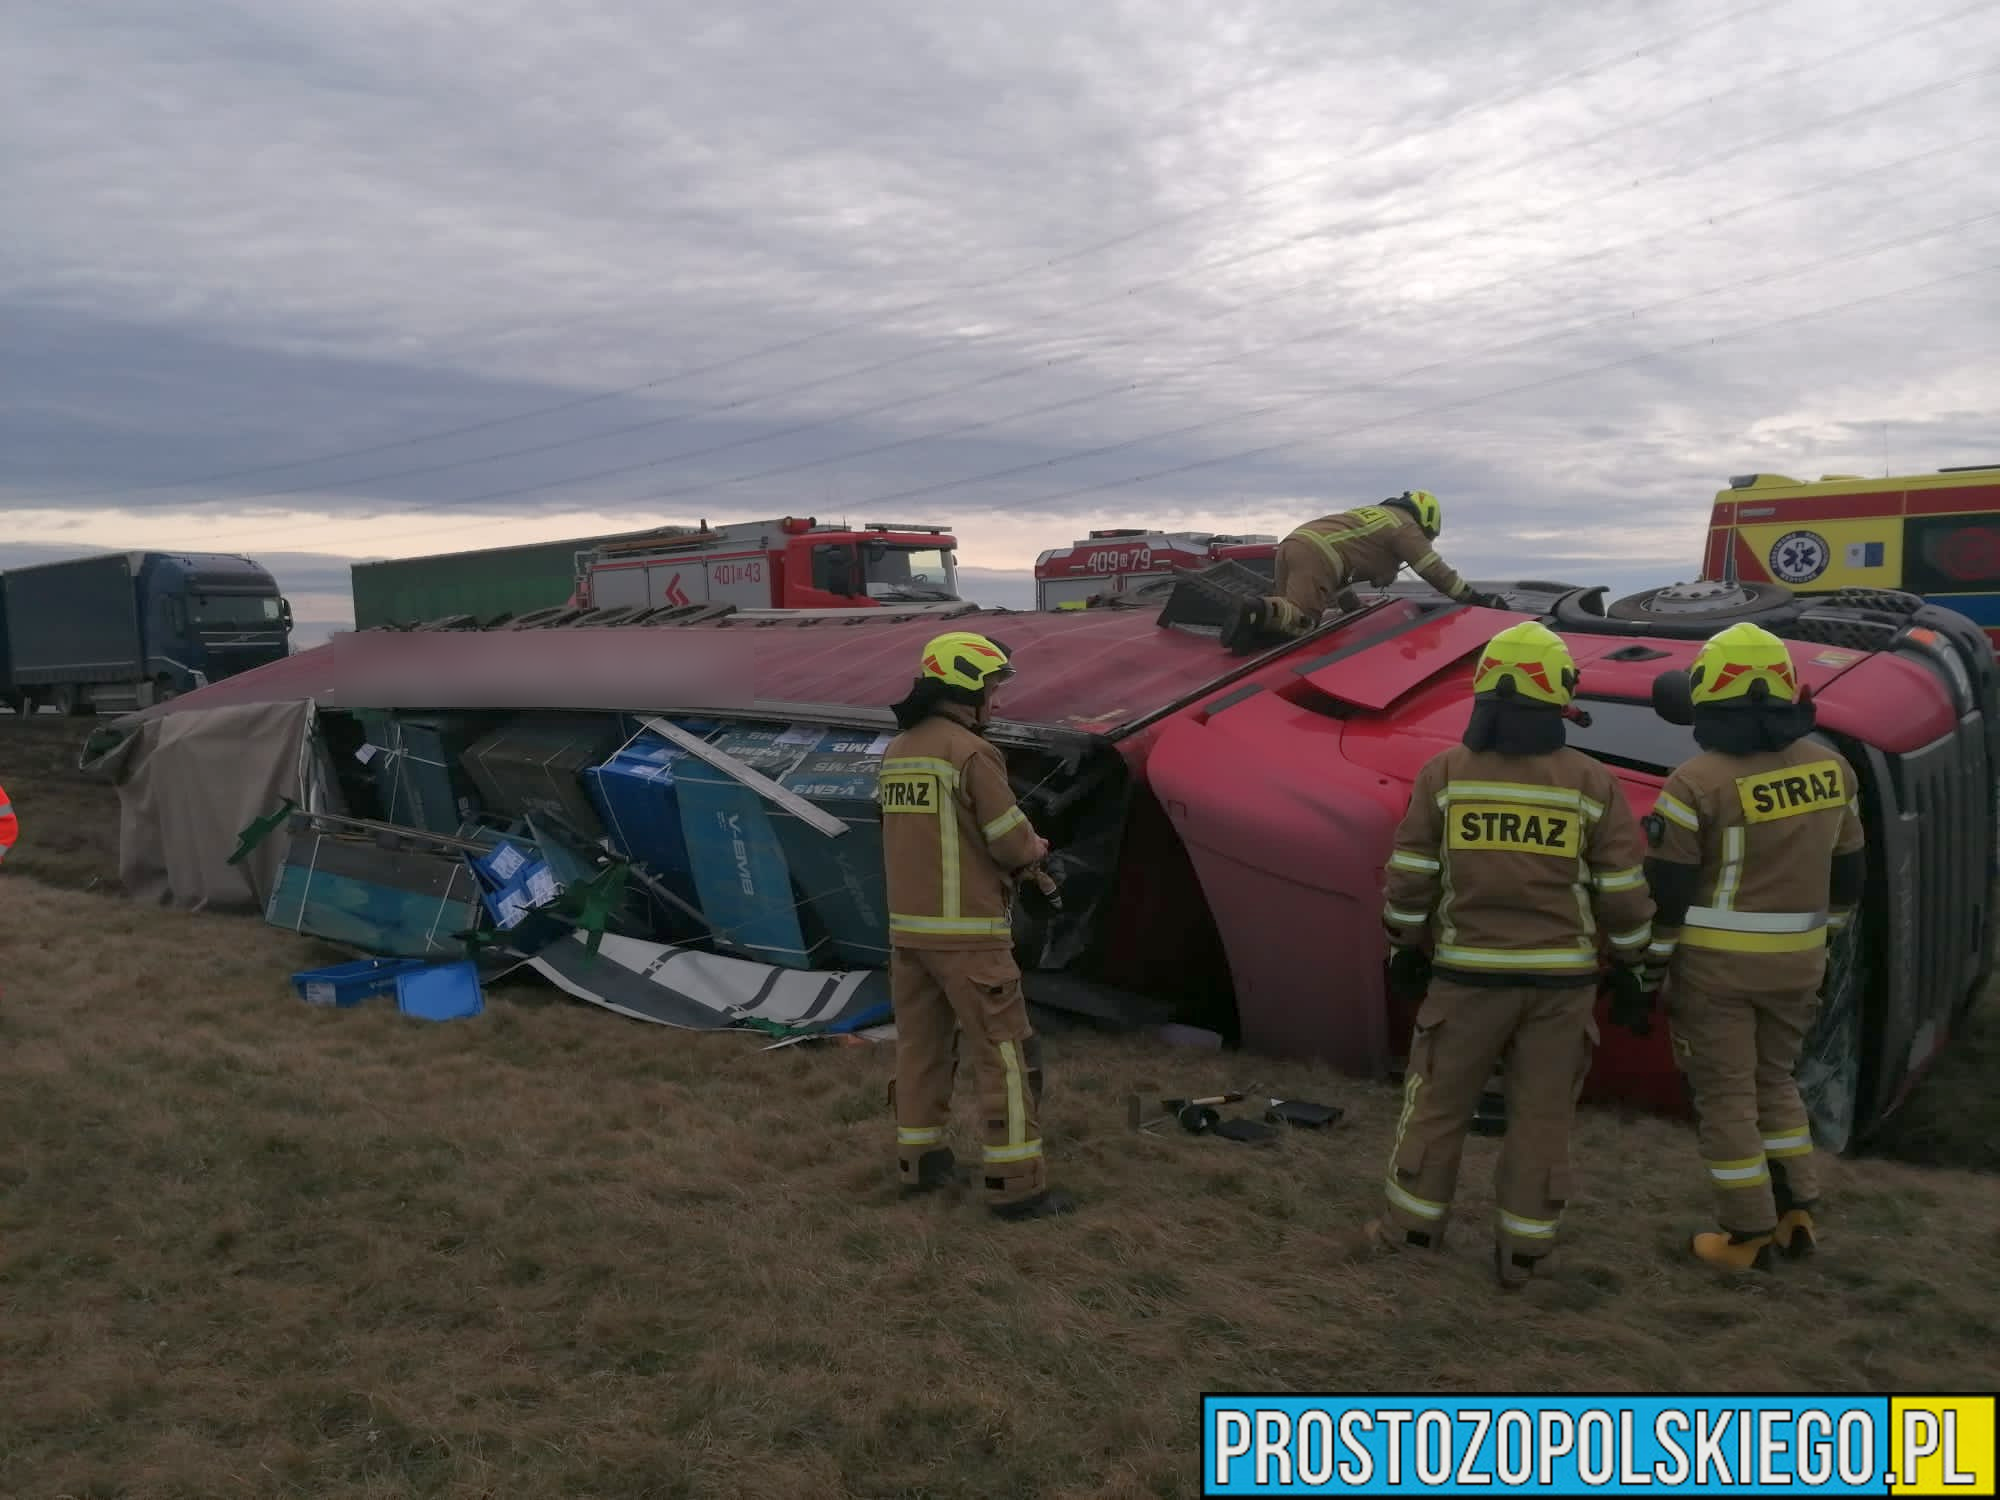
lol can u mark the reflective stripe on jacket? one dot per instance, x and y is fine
(1371, 543)
(1518, 865)
(952, 836)
(1763, 831)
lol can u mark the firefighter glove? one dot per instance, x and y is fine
(1409, 973)
(1631, 1000)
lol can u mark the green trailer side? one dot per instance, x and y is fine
(490, 581)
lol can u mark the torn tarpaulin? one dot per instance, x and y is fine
(672, 986)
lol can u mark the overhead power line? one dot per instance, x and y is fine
(1515, 390)
(1062, 313)
(1508, 347)
(880, 317)
(1927, 89)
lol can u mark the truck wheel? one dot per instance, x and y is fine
(74, 702)
(1829, 1071)
(1704, 608)
(163, 689)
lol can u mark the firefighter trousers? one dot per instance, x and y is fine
(1307, 585)
(1547, 1038)
(937, 994)
(1738, 1050)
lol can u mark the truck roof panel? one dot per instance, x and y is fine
(1081, 672)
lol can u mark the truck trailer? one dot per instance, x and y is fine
(485, 583)
(1219, 824)
(123, 630)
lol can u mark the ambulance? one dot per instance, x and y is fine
(1934, 535)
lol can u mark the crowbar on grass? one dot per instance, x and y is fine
(815, 818)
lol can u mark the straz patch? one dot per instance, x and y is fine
(1514, 829)
(908, 792)
(1786, 793)
(1656, 829)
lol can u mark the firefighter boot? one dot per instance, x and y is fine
(1246, 621)
(1795, 1237)
(1733, 1250)
(1514, 1270)
(935, 1169)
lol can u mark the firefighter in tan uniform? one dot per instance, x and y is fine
(1518, 857)
(1318, 561)
(954, 842)
(1756, 856)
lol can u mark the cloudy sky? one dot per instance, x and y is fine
(338, 279)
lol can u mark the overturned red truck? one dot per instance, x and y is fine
(1220, 823)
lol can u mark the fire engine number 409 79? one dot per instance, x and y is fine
(744, 572)
(1130, 560)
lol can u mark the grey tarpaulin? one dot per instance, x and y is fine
(672, 986)
(190, 782)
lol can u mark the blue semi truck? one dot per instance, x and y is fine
(126, 630)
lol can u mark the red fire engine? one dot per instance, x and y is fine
(792, 563)
(1116, 560)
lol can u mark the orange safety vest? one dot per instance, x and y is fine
(10, 826)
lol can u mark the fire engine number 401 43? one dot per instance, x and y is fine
(1125, 560)
(741, 572)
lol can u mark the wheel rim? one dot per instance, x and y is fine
(1704, 598)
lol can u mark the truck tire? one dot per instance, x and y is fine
(1701, 609)
(73, 702)
(163, 689)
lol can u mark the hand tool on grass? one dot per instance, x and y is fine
(1302, 1112)
(1196, 1116)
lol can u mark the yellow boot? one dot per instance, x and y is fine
(1795, 1237)
(1733, 1252)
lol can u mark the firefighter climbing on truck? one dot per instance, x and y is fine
(1756, 855)
(1516, 854)
(954, 841)
(1319, 561)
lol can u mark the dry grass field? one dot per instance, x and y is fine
(252, 1248)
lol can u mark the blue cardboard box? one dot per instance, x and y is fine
(739, 867)
(637, 795)
(841, 879)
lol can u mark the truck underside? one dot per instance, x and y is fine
(1219, 824)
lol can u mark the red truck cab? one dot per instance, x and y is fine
(790, 563)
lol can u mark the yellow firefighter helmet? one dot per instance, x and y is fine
(1430, 515)
(1534, 658)
(963, 659)
(1732, 663)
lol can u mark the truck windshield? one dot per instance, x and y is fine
(1624, 733)
(240, 610)
(910, 573)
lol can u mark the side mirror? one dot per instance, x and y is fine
(1673, 697)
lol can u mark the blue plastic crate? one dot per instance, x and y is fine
(348, 984)
(440, 992)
